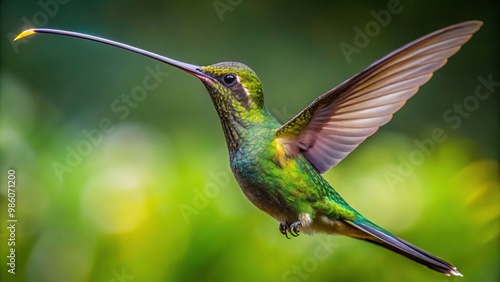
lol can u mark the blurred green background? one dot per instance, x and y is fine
(150, 196)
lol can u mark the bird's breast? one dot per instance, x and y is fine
(263, 179)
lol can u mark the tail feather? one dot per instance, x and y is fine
(383, 238)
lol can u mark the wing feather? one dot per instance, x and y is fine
(338, 121)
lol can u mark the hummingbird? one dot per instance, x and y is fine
(279, 167)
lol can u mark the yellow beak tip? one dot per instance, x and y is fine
(25, 33)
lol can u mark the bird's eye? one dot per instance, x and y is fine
(229, 79)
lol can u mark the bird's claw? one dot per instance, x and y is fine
(283, 230)
(292, 228)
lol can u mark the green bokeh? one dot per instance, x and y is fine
(117, 210)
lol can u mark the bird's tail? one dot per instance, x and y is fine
(370, 232)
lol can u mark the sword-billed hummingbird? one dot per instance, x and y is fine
(279, 167)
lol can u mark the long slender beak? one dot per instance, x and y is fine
(192, 69)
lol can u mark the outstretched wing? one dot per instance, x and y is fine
(338, 121)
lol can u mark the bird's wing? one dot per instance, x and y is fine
(338, 121)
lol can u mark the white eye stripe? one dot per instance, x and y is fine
(247, 93)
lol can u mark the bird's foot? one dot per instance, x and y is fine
(292, 228)
(283, 230)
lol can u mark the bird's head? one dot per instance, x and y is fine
(234, 88)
